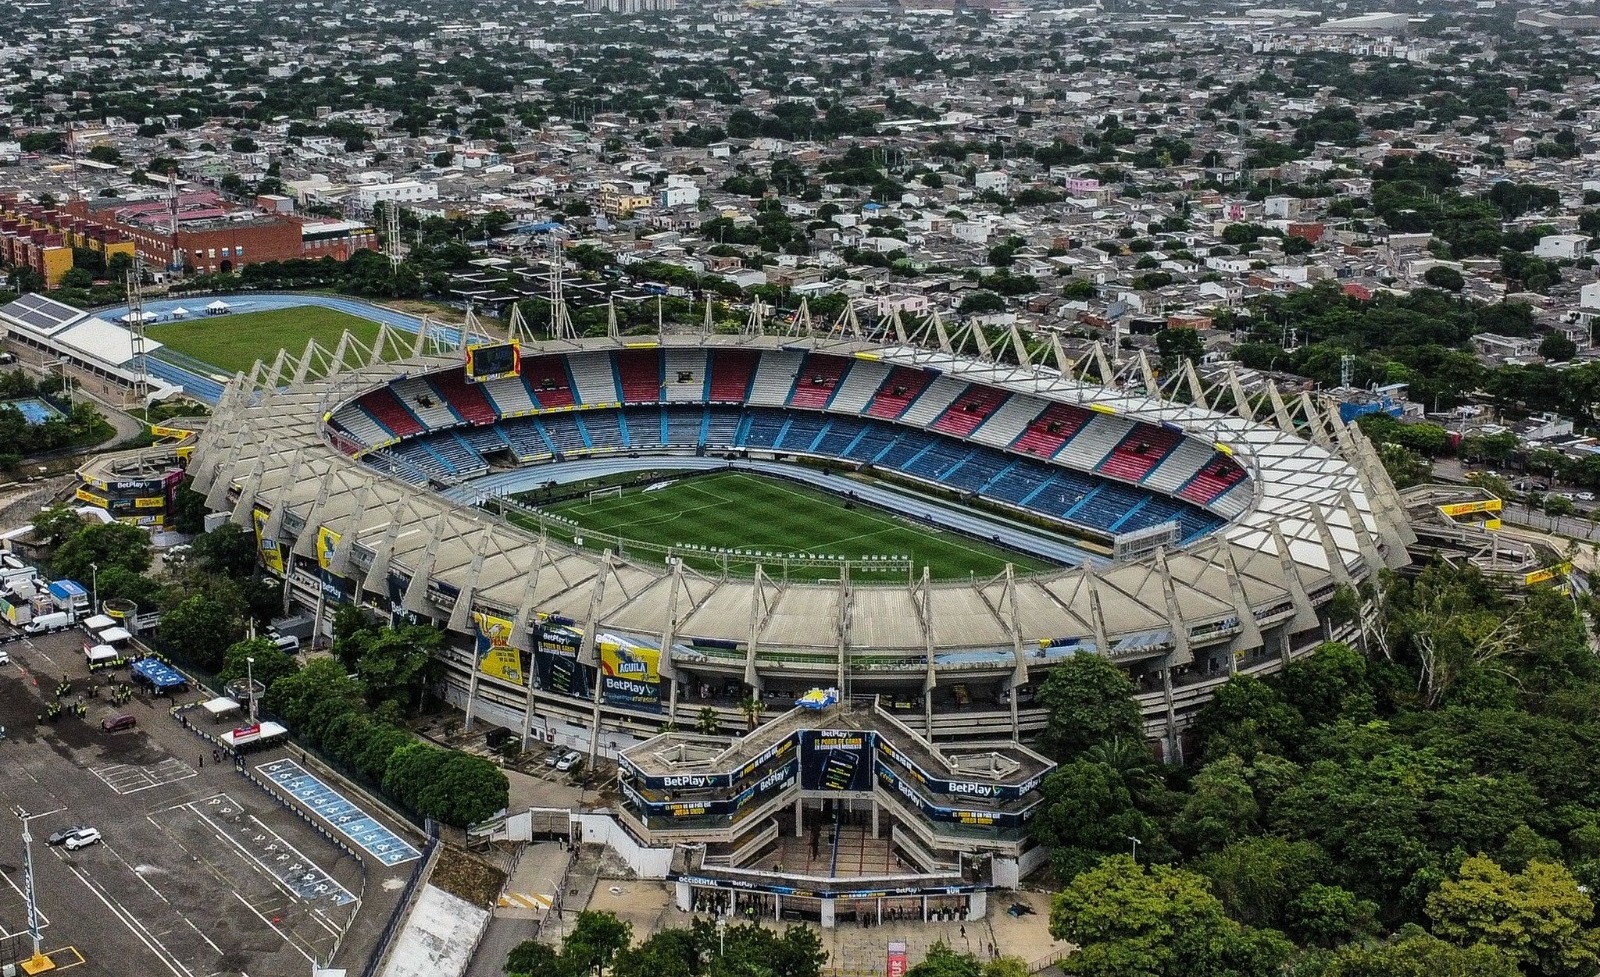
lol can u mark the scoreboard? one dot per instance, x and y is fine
(493, 361)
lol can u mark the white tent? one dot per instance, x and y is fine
(113, 636)
(101, 653)
(179, 313)
(99, 622)
(220, 706)
(139, 317)
(218, 308)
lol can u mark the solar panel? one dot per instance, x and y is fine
(41, 313)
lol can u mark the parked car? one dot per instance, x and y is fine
(116, 724)
(569, 760)
(82, 838)
(60, 837)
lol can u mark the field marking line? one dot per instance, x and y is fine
(126, 917)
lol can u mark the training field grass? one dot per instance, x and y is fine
(733, 510)
(233, 342)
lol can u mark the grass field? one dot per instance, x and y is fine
(233, 342)
(732, 510)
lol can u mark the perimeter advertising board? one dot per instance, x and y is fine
(835, 760)
(555, 659)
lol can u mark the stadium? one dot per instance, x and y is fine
(1187, 532)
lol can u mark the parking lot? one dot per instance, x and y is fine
(199, 872)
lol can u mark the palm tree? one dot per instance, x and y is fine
(752, 708)
(1132, 761)
(708, 721)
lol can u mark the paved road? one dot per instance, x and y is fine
(200, 873)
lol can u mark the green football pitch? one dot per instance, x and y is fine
(232, 343)
(736, 511)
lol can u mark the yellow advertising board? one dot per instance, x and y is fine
(151, 502)
(630, 661)
(496, 657)
(1469, 508)
(84, 495)
(1547, 574)
(327, 542)
(271, 556)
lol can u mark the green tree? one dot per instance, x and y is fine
(1557, 348)
(595, 938)
(1445, 277)
(978, 303)
(1246, 716)
(942, 961)
(293, 697)
(201, 627)
(1329, 684)
(1416, 954)
(1258, 878)
(530, 958)
(1087, 700)
(56, 523)
(1540, 918)
(270, 664)
(1129, 918)
(229, 550)
(1328, 916)
(392, 662)
(1176, 345)
(103, 545)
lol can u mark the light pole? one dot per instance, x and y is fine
(94, 588)
(38, 963)
(722, 934)
(250, 683)
(1135, 847)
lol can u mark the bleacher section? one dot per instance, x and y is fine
(902, 386)
(731, 372)
(1052, 429)
(1181, 465)
(685, 376)
(969, 410)
(467, 399)
(859, 385)
(1219, 474)
(423, 401)
(1100, 471)
(1007, 423)
(387, 410)
(510, 396)
(775, 377)
(1139, 452)
(939, 395)
(548, 381)
(639, 375)
(818, 380)
(594, 377)
(360, 426)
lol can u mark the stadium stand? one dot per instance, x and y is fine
(466, 399)
(527, 439)
(939, 395)
(731, 373)
(684, 376)
(1219, 474)
(387, 410)
(548, 381)
(775, 377)
(902, 386)
(1181, 465)
(639, 376)
(1006, 424)
(563, 433)
(818, 380)
(422, 400)
(1095, 440)
(1052, 429)
(594, 378)
(357, 423)
(510, 396)
(1144, 447)
(970, 409)
(859, 386)
(604, 428)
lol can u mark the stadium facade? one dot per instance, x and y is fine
(1218, 525)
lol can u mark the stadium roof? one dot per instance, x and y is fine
(1311, 526)
(72, 332)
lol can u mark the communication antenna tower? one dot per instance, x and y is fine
(391, 234)
(141, 376)
(172, 218)
(1347, 370)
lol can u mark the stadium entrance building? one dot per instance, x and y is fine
(835, 813)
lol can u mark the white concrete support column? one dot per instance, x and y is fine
(827, 914)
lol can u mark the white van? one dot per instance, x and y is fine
(286, 643)
(48, 622)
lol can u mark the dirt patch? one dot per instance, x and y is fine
(467, 876)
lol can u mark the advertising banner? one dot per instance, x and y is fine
(835, 760)
(556, 659)
(897, 959)
(327, 541)
(630, 673)
(496, 657)
(271, 551)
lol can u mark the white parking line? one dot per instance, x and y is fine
(128, 919)
(125, 778)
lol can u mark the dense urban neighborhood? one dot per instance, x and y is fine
(782, 488)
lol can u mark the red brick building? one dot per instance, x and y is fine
(211, 237)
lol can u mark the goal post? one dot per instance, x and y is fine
(610, 491)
